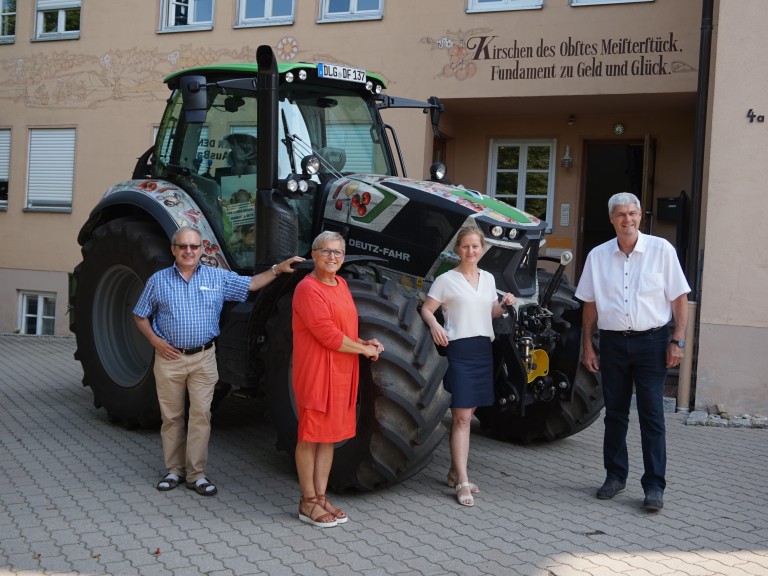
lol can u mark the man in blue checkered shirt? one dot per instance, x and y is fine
(178, 312)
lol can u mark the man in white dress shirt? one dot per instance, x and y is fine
(631, 288)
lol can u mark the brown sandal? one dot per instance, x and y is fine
(323, 520)
(340, 515)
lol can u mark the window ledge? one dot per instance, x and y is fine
(7, 39)
(348, 18)
(56, 37)
(502, 9)
(59, 209)
(190, 28)
(264, 23)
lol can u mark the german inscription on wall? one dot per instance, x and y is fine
(503, 59)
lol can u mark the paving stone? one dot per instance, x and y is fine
(82, 498)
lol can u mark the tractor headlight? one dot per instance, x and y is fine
(512, 234)
(437, 172)
(497, 231)
(310, 165)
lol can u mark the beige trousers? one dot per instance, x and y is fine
(185, 448)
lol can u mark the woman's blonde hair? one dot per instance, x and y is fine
(466, 231)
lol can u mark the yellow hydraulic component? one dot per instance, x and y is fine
(539, 365)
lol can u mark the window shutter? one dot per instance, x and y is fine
(57, 4)
(5, 153)
(51, 168)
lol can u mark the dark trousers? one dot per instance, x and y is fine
(639, 359)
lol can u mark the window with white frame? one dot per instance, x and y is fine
(597, 2)
(342, 10)
(51, 171)
(38, 313)
(500, 5)
(186, 15)
(57, 19)
(5, 166)
(522, 173)
(7, 21)
(265, 12)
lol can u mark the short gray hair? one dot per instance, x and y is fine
(185, 229)
(327, 236)
(621, 199)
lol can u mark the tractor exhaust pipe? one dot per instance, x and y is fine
(267, 108)
(276, 222)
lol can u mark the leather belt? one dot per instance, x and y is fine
(632, 333)
(190, 351)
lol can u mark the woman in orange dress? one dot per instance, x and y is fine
(325, 374)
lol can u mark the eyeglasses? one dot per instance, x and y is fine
(327, 252)
(192, 247)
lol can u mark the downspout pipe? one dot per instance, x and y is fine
(695, 256)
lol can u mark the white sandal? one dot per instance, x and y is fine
(452, 479)
(466, 500)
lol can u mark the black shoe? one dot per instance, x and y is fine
(610, 488)
(654, 499)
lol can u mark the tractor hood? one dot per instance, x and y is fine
(375, 201)
(413, 224)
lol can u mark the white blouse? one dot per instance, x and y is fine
(467, 312)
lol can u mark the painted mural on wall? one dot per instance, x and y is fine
(65, 80)
(503, 59)
(69, 80)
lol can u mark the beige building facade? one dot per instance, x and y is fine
(589, 97)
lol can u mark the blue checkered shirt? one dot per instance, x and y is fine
(186, 314)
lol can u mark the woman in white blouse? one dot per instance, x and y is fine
(467, 296)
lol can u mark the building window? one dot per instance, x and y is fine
(51, 169)
(265, 12)
(38, 313)
(522, 173)
(5, 165)
(186, 15)
(7, 21)
(345, 10)
(500, 5)
(597, 2)
(57, 19)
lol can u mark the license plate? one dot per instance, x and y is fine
(337, 72)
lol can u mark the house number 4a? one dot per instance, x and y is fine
(752, 116)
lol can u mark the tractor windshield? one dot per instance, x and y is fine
(215, 161)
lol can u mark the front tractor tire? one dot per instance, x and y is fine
(562, 416)
(401, 400)
(118, 259)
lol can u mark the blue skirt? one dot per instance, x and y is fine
(469, 378)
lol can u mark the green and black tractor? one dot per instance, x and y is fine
(261, 157)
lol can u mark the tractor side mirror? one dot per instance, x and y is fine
(194, 98)
(434, 114)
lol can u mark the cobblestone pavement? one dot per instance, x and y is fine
(78, 497)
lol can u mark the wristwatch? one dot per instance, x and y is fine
(679, 343)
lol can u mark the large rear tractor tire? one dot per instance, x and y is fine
(561, 417)
(401, 399)
(117, 360)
